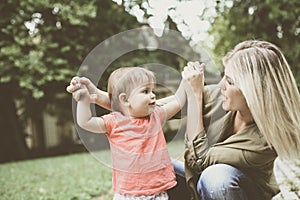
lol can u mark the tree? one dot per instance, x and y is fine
(42, 45)
(271, 20)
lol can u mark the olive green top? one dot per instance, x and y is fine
(246, 150)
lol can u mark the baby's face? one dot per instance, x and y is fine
(142, 100)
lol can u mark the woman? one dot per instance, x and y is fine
(232, 156)
(236, 130)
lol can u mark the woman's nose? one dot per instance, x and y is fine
(221, 84)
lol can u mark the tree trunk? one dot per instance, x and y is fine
(12, 142)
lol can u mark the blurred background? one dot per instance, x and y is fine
(44, 42)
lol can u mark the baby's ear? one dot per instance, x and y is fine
(123, 99)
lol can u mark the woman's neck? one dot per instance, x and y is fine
(242, 120)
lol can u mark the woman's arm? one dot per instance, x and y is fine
(196, 142)
(193, 74)
(84, 115)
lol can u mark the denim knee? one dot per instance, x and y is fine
(217, 176)
(221, 181)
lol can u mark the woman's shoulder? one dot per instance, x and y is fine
(253, 137)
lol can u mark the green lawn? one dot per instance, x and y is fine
(78, 176)
(71, 177)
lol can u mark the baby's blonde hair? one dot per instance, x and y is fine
(262, 73)
(124, 80)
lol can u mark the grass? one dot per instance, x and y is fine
(73, 177)
(78, 176)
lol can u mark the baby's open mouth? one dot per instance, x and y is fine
(152, 104)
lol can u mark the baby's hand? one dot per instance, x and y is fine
(74, 84)
(82, 86)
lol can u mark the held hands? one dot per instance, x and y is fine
(193, 75)
(81, 86)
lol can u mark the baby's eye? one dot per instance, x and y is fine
(145, 91)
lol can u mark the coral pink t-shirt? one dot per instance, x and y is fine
(140, 159)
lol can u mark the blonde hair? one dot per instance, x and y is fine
(263, 75)
(124, 80)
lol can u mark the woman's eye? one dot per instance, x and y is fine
(230, 82)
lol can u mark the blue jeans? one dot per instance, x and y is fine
(221, 181)
(180, 191)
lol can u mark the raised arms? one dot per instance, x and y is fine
(96, 95)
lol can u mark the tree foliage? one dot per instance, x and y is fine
(271, 20)
(43, 43)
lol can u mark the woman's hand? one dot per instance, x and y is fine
(79, 87)
(193, 75)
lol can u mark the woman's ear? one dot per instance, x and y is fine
(123, 99)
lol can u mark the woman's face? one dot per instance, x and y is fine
(233, 98)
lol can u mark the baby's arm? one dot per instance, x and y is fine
(96, 95)
(84, 115)
(175, 102)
